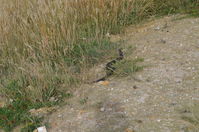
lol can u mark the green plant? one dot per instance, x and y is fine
(83, 101)
(128, 67)
(17, 111)
(15, 114)
(191, 116)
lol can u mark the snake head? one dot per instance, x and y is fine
(121, 54)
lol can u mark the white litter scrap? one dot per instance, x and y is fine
(41, 129)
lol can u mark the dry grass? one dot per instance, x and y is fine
(46, 45)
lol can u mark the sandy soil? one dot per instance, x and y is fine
(153, 99)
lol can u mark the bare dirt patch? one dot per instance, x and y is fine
(149, 101)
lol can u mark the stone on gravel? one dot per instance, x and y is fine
(102, 109)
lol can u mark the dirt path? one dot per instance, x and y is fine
(152, 100)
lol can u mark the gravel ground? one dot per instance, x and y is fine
(152, 100)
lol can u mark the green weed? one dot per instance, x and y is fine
(191, 116)
(128, 67)
(83, 101)
(17, 113)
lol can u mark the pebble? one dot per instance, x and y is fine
(157, 28)
(11, 100)
(163, 41)
(42, 129)
(135, 87)
(52, 99)
(178, 80)
(126, 100)
(172, 104)
(102, 109)
(60, 116)
(158, 120)
(139, 121)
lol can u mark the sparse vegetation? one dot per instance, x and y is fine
(46, 47)
(83, 100)
(191, 116)
(128, 67)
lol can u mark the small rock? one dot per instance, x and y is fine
(42, 129)
(148, 80)
(158, 120)
(163, 41)
(139, 121)
(163, 59)
(11, 100)
(135, 87)
(35, 130)
(52, 99)
(129, 130)
(172, 104)
(142, 99)
(102, 109)
(59, 116)
(189, 68)
(178, 80)
(104, 83)
(108, 35)
(186, 111)
(157, 28)
(126, 100)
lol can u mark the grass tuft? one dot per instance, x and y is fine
(191, 117)
(128, 67)
(17, 113)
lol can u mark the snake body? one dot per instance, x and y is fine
(110, 66)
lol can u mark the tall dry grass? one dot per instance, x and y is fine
(45, 46)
